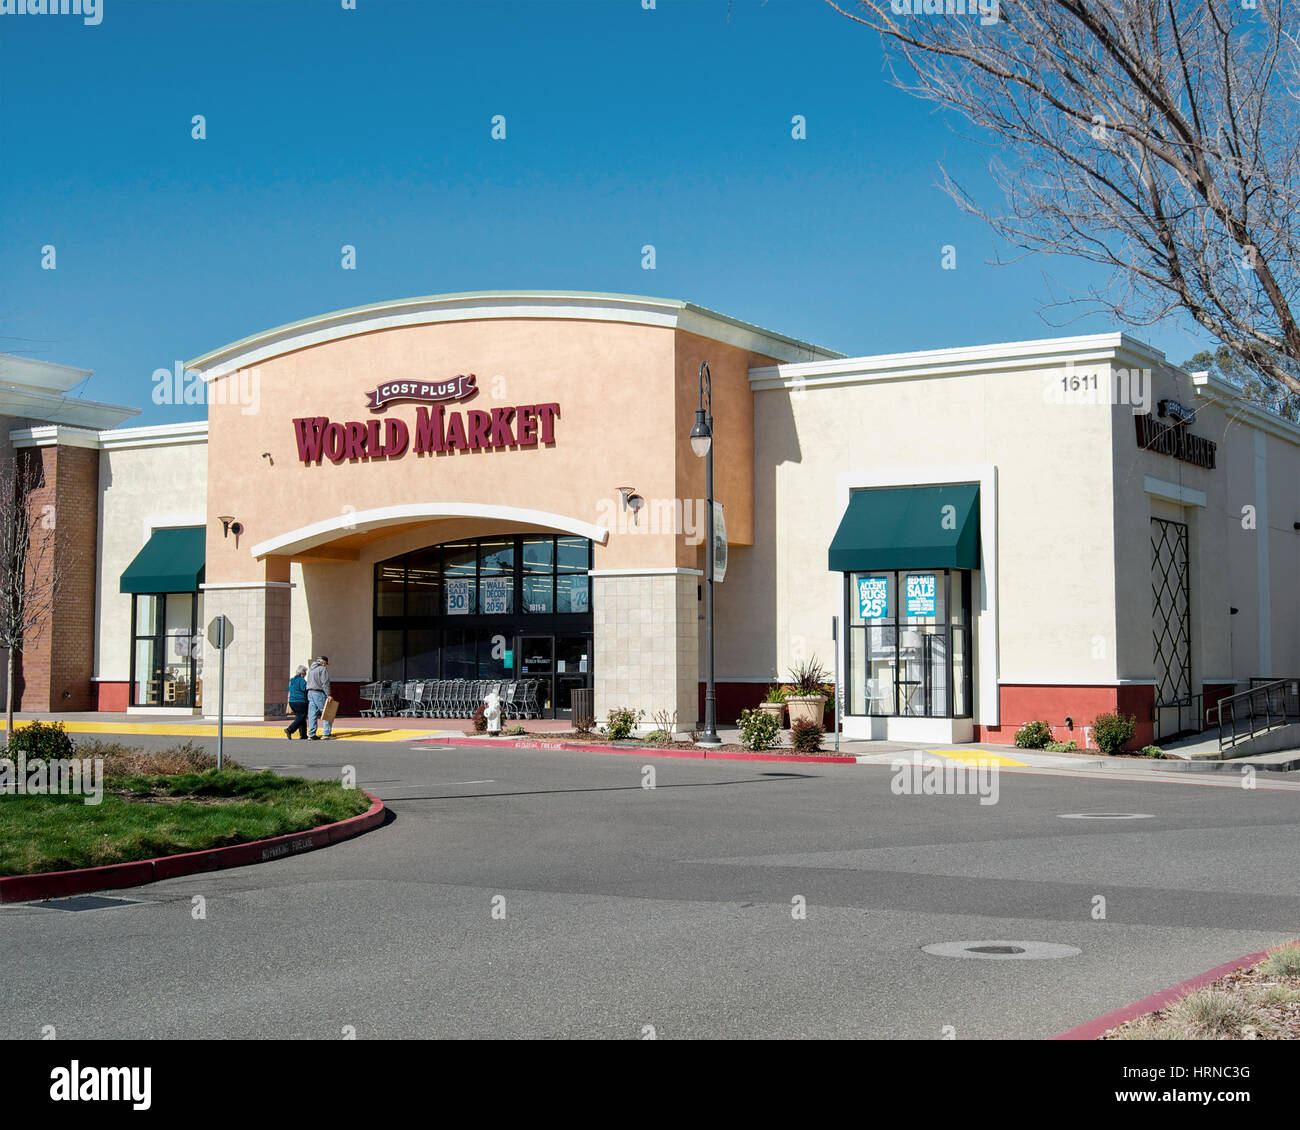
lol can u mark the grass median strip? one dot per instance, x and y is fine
(1258, 1003)
(162, 804)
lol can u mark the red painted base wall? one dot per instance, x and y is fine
(1052, 704)
(110, 696)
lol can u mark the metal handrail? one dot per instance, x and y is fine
(1259, 709)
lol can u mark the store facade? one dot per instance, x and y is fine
(500, 485)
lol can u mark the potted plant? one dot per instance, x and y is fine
(807, 703)
(774, 703)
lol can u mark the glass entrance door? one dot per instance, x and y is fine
(535, 659)
(572, 671)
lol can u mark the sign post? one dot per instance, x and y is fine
(220, 632)
(835, 637)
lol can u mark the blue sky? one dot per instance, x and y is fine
(372, 127)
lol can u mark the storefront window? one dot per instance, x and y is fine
(167, 651)
(906, 655)
(462, 611)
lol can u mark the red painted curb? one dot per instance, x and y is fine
(53, 884)
(644, 751)
(1094, 1029)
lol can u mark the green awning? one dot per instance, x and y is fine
(909, 528)
(171, 561)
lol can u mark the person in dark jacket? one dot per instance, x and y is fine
(298, 704)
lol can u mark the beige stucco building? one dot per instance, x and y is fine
(500, 486)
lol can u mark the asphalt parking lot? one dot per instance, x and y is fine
(537, 893)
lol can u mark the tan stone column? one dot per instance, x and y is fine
(646, 643)
(257, 660)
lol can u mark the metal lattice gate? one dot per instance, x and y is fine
(1171, 615)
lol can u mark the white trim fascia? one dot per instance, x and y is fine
(248, 585)
(485, 305)
(171, 522)
(155, 435)
(71, 411)
(33, 373)
(1008, 356)
(326, 530)
(679, 571)
(1174, 492)
(1239, 408)
(986, 475)
(55, 435)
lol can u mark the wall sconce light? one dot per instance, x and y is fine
(631, 501)
(1069, 722)
(230, 526)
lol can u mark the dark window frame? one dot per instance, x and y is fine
(856, 636)
(159, 639)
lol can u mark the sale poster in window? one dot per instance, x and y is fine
(920, 594)
(873, 598)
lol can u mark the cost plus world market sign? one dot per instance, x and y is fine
(436, 430)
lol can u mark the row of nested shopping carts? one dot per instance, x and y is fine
(449, 698)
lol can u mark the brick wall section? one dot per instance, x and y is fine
(55, 667)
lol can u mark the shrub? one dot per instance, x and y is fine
(125, 761)
(623, 720)
(1033, 735)
(480, 719)
(1112, 732)
(758, 730)
(806, 737)
(808, 677)
(774, 694)
(40, 739)
(659, 737)
(1060, 747)
(514, 731)
(1282, 961)
(1152, 751)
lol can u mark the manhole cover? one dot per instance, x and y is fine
(88, 902)
(1002, 950)
(1105, 816)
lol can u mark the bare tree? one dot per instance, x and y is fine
(1159, 138)
(29, 568)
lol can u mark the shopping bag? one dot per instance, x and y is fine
(330, 709)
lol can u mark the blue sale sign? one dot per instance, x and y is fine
(920, 594)
(873, 598)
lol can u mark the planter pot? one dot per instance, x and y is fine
(777, 709)
(806, 708)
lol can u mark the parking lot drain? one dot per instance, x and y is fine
(88, 902)
(1002, 950)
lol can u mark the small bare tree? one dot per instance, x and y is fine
(29, 568)
(1158, 138)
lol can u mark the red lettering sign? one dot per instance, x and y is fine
(437, 432)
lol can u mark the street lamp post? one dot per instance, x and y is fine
(702, 445)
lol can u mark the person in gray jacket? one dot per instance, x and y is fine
(318, 689)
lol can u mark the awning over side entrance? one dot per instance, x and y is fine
(909, 528)
(171, 561)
